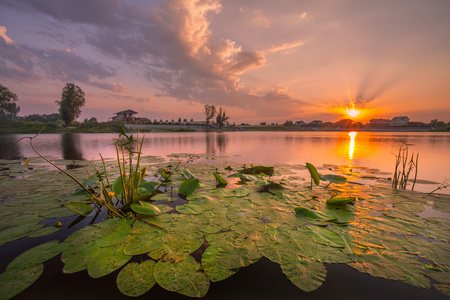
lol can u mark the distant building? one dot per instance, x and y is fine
(300, 124)
(125, 116)
(316, 123)
(380, 122)
(400, 121)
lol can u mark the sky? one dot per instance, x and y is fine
(260, 60)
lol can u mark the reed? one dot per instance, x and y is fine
(403, 168)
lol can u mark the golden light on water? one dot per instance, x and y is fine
(351, 147)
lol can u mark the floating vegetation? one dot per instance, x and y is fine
(203, 228)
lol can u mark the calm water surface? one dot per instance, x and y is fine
(368, 149)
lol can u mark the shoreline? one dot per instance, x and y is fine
(159, 128)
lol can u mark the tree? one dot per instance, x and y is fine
(72, 100)
(209, 111)
(221, 117)
(8, 106)
(288, 123)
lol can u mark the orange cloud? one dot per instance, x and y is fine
(7, 39)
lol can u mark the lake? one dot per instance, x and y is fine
(369, 149)
(264, 279)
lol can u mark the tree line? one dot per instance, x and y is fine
(72, 100)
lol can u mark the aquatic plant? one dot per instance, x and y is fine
(317, 177)
(444, 184)
(129, 192)
(403, 168)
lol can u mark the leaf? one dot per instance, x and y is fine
(325, 236)
(212, 271)
(136, 279)
(80, 208)
(190, 209)
(188, 187)
(340, 200)
(45, 231)
(305, 274)
(314, 174)
(107, 261)
(142, 243)
(14, 281)
(77, 257)
(197, 287)
(37, 254)
(314, 214)
(117, 186)
(174, 276)
(145, 208)
(187, 174)
(175, 248)
(220, 179)
(334, 178)
(258, 170)
(115, 237)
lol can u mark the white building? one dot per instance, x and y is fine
(400, 121)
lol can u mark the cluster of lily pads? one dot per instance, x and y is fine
(210, 220)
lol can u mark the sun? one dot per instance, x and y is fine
(352, 112)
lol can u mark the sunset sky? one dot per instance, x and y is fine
(261, 60)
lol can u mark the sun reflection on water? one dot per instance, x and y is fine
(351, 147)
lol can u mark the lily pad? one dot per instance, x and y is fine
(77, 257)
(174, 248)
(136, 279)
(211, 269)
(174, 276)
(38, 254)
(80, 208)
(305, 274)
(145, 208)
(198, 287)
(14, 281)
(107, 261)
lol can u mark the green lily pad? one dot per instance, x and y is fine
(305, 274)
(85, 235)
(142, 243)
(174, 248)
(325, 236)
(38, 254)
(314, 215)
(210, 267)
(136, 279)
(174, 276)
(14, 281)
(340, 200)
(145, 208)
(107, 261)
(80, 208)
(44, 231)
(77, 257)
(198, 287)
(188, 187)
(335, 178)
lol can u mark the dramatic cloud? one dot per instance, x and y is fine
(256, 58)
(4, 36)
